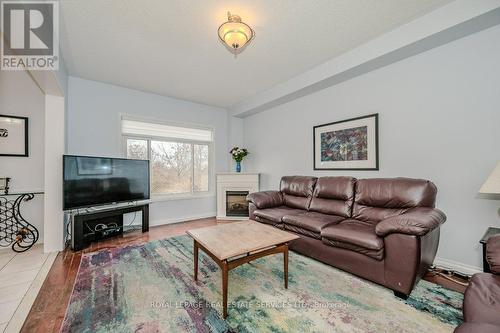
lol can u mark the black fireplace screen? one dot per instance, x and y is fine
(236, 204)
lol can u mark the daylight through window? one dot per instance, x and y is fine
(179, 156)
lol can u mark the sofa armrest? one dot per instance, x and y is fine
(493, 253)
(266, 199)
(416, 221)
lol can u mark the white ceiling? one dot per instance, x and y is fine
(170, 47)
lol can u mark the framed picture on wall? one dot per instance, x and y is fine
(350, 144)
(13, 136)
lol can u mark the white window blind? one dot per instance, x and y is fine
(139, 128)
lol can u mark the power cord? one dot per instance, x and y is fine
(67, 237)
(133, 220)
(448, 275)
(89, 210)
(68, 230)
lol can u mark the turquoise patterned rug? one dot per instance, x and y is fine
(150, 288)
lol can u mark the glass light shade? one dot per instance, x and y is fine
(235, 34)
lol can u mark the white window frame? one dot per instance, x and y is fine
(148, 139)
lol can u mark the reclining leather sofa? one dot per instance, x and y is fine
(482, 297)
(384, 230)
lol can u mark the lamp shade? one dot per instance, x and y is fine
(492, 184)
(235, 34)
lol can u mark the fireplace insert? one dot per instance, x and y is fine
(236, 204)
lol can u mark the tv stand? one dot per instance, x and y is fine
(111, 218)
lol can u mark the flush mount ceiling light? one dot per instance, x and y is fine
(235, 34)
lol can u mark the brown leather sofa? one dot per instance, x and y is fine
(384, 230)
(482, 297)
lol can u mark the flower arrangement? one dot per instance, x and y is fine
(238, 153)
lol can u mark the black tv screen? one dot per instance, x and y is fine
(93, 181)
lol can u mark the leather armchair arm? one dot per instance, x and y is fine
(266, 199)
(493, 253)
(417, 221)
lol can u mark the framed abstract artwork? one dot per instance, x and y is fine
(13, 136)
(350, 144)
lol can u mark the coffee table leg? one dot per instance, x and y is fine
(195, 255)
(285, 268)
(224, 288)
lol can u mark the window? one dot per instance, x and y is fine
(180, 157)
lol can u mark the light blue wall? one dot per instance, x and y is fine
(439, 119)
(20, 96)
(93, 126)
(62, 79)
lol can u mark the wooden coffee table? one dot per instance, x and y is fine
(237, 243)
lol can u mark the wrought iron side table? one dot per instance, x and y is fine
(15, 231)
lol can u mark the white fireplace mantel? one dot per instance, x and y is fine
(234, 181)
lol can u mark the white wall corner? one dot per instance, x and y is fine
(54, 150)
(455, 20)
(235, 136)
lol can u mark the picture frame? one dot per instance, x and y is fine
(350, 144)
(14, 136)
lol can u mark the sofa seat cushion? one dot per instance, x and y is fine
(277, 213)
(310, 223)
(355, 235)
(482, 299)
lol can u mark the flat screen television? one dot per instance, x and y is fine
(93, 181)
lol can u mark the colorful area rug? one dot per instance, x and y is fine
(150, 288)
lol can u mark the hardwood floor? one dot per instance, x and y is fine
(434, 277)
(47, 313)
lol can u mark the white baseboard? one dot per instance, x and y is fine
(457, 266)
(232, 218)
(153, 223)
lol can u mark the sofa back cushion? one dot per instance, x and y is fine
(380, 198)
(297, 191)
(333, 195)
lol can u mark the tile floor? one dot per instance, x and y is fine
(21, 276)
